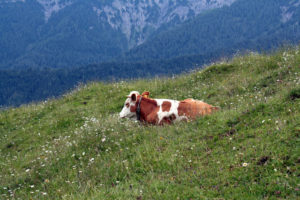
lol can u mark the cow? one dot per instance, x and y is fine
(163, 111)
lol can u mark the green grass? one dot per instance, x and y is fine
(75, 147)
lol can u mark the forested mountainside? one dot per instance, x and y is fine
(70, 33)
(253, 25)
(34, 84)
(75, 37)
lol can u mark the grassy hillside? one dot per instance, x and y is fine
(75, 147)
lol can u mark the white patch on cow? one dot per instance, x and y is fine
(173, 110)
(125, 112)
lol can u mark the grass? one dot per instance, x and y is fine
(75, 147)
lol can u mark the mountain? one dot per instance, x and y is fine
(75, 147)
(245, 25)
(69, 33)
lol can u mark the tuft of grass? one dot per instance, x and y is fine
(76, 147)
(294, 94)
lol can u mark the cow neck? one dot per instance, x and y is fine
(139, 111)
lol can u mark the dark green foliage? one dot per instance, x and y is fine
(294, 94)
(34, 84)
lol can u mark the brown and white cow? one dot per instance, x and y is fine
(163, 111)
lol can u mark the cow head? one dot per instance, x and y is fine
(129, 109)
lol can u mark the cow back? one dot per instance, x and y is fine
(194, 108)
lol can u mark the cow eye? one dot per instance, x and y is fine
(127, 105)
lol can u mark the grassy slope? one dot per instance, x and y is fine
(75, 147)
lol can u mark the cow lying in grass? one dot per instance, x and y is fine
(163, 111)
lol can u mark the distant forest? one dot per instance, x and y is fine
(33, 84)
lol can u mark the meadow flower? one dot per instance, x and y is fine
(27, 170)
(245, 164)
(103, 139)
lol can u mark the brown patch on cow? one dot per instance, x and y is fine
(181, 108)
(149, 110)
(166, 106)
(193, 108)
(132, 108)
(146, 94)
(152, 118)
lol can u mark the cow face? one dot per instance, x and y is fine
(129, 109)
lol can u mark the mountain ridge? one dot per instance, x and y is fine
(107, 28)
(211, 31)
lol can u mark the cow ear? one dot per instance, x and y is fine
(146, 94)
(133, 97)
